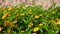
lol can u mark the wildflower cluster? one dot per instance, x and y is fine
(29, 20)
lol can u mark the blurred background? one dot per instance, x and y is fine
(45, 3)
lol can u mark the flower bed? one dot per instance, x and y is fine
(29, 20)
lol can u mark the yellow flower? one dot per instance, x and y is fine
(10, 23)
(15, 22)
(4, 16)
(10, 8)
(58, 22)
(36, 16)
(30, 25)
(41, 24)
(5, 24)
(34, 33)
(52, 30)
(30, 12)
(22, 31)
(40, 14)
(8, 30)
(24, 7)
(35, 29)
(22, 14)
(1, 28)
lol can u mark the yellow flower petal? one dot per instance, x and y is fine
(30, 25)
(36, 16)
(22, 14)
(58, 22)
(15, 22)
(35, 29)
(34, 33)
(40, 14)
(10, 8)
(22, 31)
(5, 24)
(8, 30)
(24, 7)
(4, 16)
(40, 24)
(30, 12)
(1, 28)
